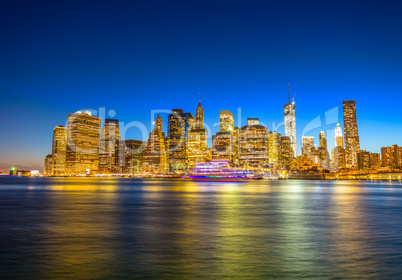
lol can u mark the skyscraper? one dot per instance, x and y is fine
(338, 153)
(323, 141)
(179, 124)
(352, 142)
(290, 122)
(226, 121)
(107, 151)
(59, 147)
(390, 156)
(129, 156)
(274, 141)
(253, 139)
(154, 158)
(307, 145)
(199, 123)
(363, 160)
(222, 142)
(338, 136)
(83, 135)
(286, 153)
(196, 148)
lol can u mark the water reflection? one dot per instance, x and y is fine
(157, 229)
(80, 221)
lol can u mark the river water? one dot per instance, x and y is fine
(97, 228)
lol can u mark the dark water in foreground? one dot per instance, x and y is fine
(127, 228)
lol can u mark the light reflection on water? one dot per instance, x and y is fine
(81, 228)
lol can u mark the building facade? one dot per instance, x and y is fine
(154, 156)
(352, 142)
(83, 139)
(59, 148)
(107, 151)
(290, 123)
(253, 140)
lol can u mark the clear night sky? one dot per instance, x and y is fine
(58, 57)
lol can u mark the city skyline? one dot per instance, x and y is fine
(84, 147)
(136, 57)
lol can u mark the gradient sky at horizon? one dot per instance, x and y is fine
(133, 57)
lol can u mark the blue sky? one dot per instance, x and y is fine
(58, 57)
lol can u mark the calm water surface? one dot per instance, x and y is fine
(87, 228)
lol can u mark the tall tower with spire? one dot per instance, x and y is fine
(199, 123)
(159, 123)
(290, 122)
(338, 136)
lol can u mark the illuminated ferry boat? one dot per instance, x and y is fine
(219, 171)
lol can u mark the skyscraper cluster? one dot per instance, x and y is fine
(83, 148)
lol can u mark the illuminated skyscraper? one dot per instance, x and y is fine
(154, 158)
(199, 117)
(375, 160)
(107, 151)
(338, 136)
(222, 142)
(363, 160)
(338, 153)
(59, 147)
(197, 140)
(253, 139)
(226, 121)
(286, 153)
(83, 137)
(323, 141)
(222, 146)
(390, 156)
(274, 141)
(352, 142)
(129, 156)
(176, 141)
(49, 165)
(307, 145)
(179, 124)
(290, 122)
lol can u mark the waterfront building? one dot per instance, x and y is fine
(48, 165)
(338, 157)
(290, 122)
(323, 141)
(154, 156)
(338, 136)
(222, 146)
(352, 142)
(274, 142)
(59, 147)
(197, 140)
(286, 158)
(196, 147)
(304, 162)
(253, 139)
(199, 117)
(390, 156)
(83, 135)
(236, 146)
(226, 121)
(129, 156)
(323, 159)
(178, 123)
(223, 142)
(107, 150)
(375, 160)
(363, 160)
(307, 145)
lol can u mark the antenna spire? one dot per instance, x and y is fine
(289, 93)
